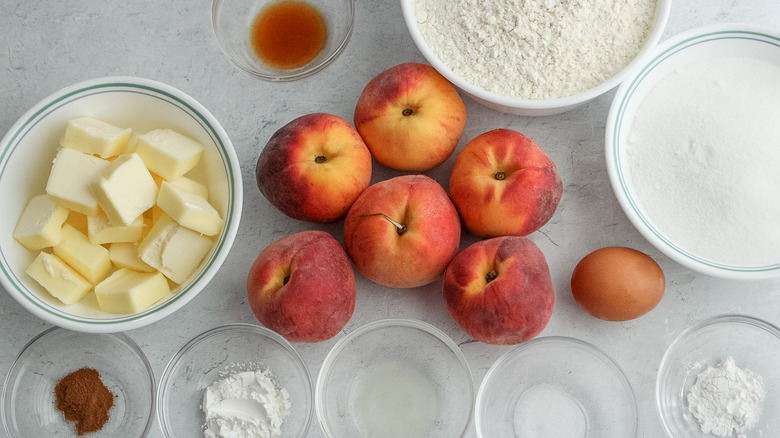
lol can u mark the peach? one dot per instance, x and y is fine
(402, 232)
(313, 168)
(503, 184)
(302, 287)
(410, 117)
(499, 290)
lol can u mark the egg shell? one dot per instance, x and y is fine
(617, 283)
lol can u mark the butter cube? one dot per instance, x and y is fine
(125, 190)
(75, 249)
(101, 231)
(69, 180)
(95, 137)
(128, 291)
(40, 223)
(125, 255)
(174, 250)
(189, 209)
(188, 184)
(59, 279)
(168, 153)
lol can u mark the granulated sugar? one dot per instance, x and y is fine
(535, 49)
(703, 156)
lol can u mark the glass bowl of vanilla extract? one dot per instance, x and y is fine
(282, 40)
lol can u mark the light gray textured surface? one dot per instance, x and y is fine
(46, 45)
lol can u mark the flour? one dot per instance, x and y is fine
(245, 405)
(726, 398)
(545, 411)
(535, 49)
(702, 154)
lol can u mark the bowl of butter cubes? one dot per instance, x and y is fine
(121, 199)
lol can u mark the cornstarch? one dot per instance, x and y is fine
(535, 49)
(245, 404)
(703, 152)
(726, 398)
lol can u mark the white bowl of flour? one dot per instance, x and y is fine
(693, 150)
(535, 57)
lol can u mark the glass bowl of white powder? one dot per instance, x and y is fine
(692, 150)
(236, 380)
(556, 387)
(395, 378)
(535, 57)
(720, 377)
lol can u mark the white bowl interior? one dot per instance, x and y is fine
(752, 343)
(26, 154)
(528, 107)
(688, 47)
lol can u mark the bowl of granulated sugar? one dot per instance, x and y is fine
(692, 150)
(535, 57)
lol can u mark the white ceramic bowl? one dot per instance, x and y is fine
(691, 46)
(752, 343)
(395, 378)
(556, 386)
(531, 107)
(231, 21)
(26, 154)
(28, 400)
(223, 350)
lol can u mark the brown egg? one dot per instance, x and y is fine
(617, 283)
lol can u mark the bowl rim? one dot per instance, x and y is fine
(281, 75)
(15, 287)
(122, 337)
(254, 329)
(727, 318)
(663, 8)
(616, 173)
(592, 349)
(342, 344)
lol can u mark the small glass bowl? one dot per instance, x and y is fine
(223, 350)
(232, 21)
(566, 372)
(28, 401)
(754, 344)
(393, 378)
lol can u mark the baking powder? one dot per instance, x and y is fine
(703, 152)
(245, 405)
(535, 49)
(726, 398)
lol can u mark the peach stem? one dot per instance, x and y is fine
(401, 229)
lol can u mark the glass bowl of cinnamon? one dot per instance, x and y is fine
(66, 384)
(282, 40)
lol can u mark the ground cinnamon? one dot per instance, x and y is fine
(84, 399)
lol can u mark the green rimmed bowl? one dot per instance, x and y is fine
(709, 42)
(26, 154)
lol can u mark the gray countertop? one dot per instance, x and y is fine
(48, 44)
